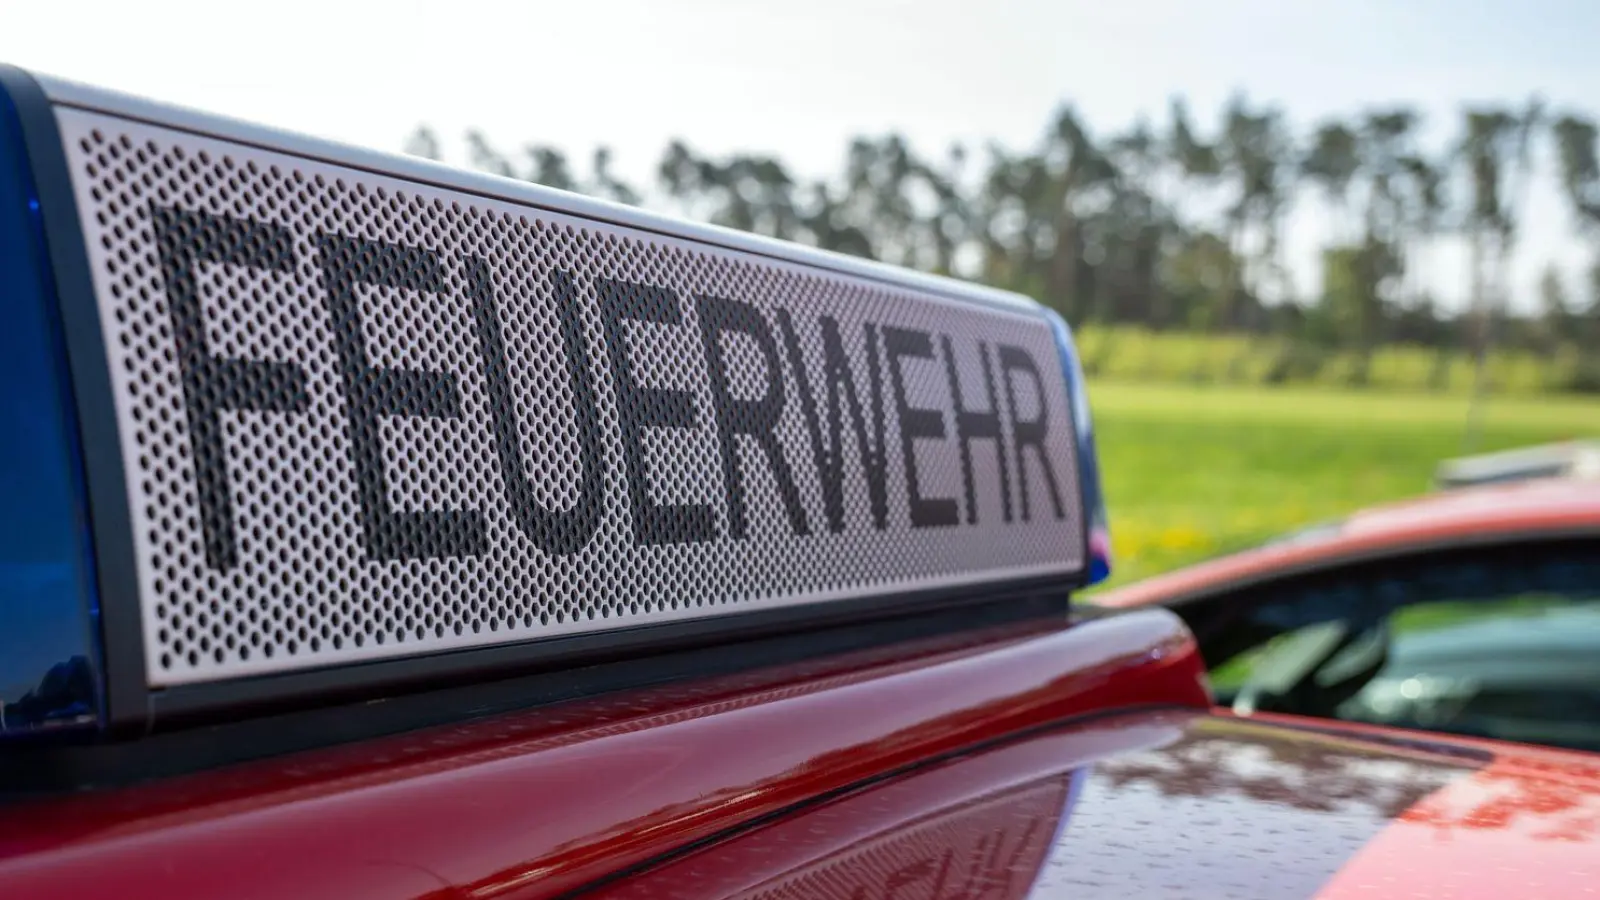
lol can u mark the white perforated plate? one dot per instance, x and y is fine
(353, 425)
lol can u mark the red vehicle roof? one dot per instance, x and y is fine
(1487, 513)
(1069, 760)
(542, 803)
(1178, 804)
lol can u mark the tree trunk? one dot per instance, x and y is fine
(1222, 307)
(1367, 270)
(1064, 271)
(1481, 338)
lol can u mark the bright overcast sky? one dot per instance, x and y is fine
(797, 78)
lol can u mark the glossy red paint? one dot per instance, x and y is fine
(543, 802)
(1527, 824)
(1520, 827)
(1470, 514)
(976, 826)
(1175, 804)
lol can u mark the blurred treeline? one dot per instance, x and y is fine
(1164, 243)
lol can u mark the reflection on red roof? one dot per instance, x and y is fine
(1551, 505)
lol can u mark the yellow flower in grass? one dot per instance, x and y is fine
(1126, 544)
(1180, 538)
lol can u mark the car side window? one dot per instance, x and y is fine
(1501, 643)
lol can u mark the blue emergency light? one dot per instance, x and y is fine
(51, 672)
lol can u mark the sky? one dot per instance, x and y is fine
(798, 79)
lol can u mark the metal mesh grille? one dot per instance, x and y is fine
(363, 417)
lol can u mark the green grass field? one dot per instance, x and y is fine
(1193, 471)
(1129, 353)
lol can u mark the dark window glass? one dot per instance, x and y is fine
(1501, 643)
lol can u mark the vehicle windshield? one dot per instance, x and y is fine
(1507, 648)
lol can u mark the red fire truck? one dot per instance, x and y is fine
(381, 530)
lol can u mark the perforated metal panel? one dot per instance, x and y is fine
(363, 417)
